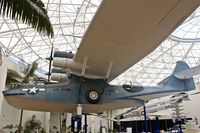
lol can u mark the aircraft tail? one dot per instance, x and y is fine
(176, 83)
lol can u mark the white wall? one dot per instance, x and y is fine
(3, 73)
(11, 115)
(192, 108)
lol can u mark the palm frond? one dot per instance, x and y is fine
(13, 77)
(30, 72)
(31, 12)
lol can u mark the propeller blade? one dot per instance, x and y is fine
(50, 60)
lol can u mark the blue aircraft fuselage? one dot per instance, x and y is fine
(95, 95)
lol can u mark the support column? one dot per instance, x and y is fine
(145, 119)
(85, 124)
(110, 123)
(157, 125)
(47, 121)
(3, 74)
(119, 124)
(79, 109)
(55, 122)
(76, 121)
(20, 121)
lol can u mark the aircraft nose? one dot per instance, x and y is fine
(12, 93)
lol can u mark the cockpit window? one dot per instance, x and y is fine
(132, 86)
(182, 93)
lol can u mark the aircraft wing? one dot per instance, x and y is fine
(123, 32)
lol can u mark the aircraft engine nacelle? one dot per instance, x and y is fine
(59, 77)
(66, 63)
(63, 54)
(59, 70)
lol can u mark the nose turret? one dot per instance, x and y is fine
(13, 92)
(14, 89)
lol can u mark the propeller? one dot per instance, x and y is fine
(50, 60)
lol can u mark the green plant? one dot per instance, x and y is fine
(111, 130)
(68, 130)
(14, 77)
(33, 125)
(42, 130)
(32, 12)
(29, 73)
(11, 128)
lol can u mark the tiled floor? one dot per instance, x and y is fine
(191, 127)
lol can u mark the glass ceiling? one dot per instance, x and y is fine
(70, 19)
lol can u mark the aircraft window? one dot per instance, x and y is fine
(179, 94)
(182, 93)
(37, 83)
(132, 86)
(15, 86)
(172, 96)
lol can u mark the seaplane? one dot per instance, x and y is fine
(121, 33)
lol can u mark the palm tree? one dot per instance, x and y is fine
(31, 12)
(14, 77)
(30, 72)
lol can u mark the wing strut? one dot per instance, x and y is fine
(109, 69)
(84, 66)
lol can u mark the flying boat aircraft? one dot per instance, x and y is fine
(121, 33)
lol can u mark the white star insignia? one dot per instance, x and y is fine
(33, 90)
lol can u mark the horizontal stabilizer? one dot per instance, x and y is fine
(186, 74)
